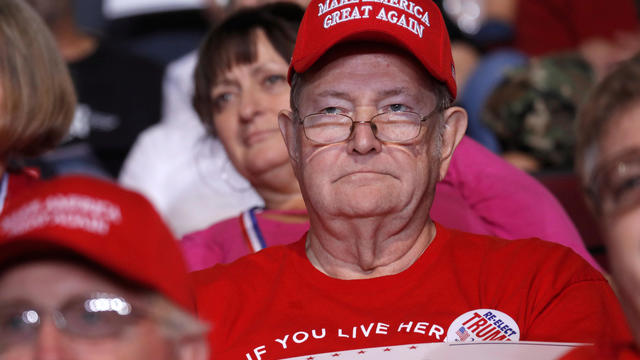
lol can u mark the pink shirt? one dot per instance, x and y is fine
(481, 194)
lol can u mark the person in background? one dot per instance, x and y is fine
(119, 95)
(608, 164)
(184, 172)
(531, 109)
(88, 270)
(481, 33)
(599, 32)
(370, 132)
(37, 99)
(238, 97)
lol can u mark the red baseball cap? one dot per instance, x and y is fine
(416, 26)
(117, 229)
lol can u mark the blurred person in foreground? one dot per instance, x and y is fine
(370, 132)
(608, 163)
(37, 99)
(240, 88)
(89, 271)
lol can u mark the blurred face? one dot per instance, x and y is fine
(49, 286)
(620, 199)
(364, 176)
(247, 100)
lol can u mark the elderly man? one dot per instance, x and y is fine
(89, 271)
(370, 133)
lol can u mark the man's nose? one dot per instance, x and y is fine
(50, 344)
(363, 139)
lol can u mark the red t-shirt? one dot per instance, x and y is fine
(274, 304)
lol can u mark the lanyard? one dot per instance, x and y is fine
(251, 230)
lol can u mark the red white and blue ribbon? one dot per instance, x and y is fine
(253, 235)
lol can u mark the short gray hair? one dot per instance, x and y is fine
(175, 323)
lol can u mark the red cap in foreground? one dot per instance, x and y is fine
(102, 222)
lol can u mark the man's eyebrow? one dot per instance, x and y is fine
(395, 91)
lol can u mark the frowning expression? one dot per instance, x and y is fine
(364, 176)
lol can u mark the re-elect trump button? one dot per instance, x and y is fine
(483, 325)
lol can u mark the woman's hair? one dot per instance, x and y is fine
(37, 99)
(233, 42)
(619, 90)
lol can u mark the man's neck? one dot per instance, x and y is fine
(370, 247)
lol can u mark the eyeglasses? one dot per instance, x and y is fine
(95, 316)
(615, 185)
(389, 126)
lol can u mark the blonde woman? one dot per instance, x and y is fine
(37, 99)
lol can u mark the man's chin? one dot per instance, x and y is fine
(365, 209)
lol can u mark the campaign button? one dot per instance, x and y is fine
(483, 325)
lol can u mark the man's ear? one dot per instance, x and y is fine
(455, 125)
(286, 121)
(193, 348)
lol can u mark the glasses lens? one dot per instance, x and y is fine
(327, 128)
(618, 186)
(18, 323)
(397, 126)
(97, 316)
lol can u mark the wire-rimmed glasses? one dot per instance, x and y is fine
(615, 184)
(96, 315)
(389, 126)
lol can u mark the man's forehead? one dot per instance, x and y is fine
(354, 49)
(386, 92)
(357, 56)
(79, 272)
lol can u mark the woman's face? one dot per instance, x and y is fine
(247, 99)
